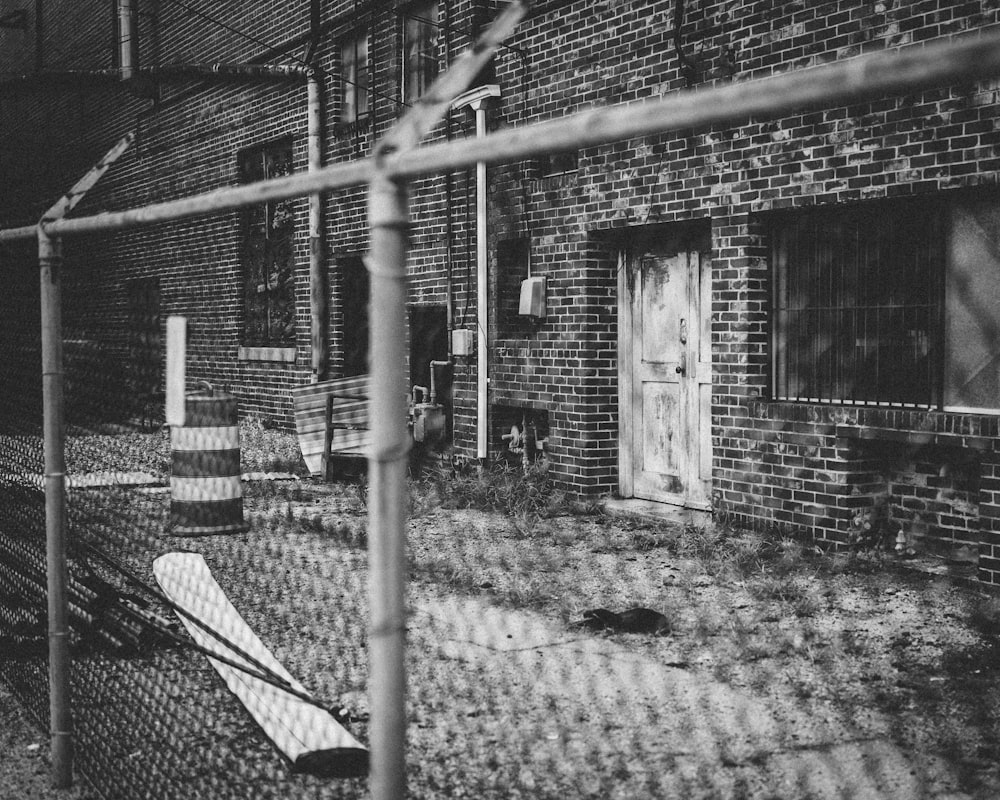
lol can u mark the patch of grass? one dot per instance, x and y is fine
(501, 487)
(785, 588)
(264, 449)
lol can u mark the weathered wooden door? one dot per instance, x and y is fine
(666, 377)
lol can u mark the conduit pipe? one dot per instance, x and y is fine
(476, 100)
(128, 40)
(318, 307)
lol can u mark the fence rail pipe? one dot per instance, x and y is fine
(854, 80)
(910, 69)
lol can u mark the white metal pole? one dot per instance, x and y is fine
(176, 379)
(482, 311)
(388, 219)
(54, 434)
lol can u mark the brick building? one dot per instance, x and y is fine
(788, 321)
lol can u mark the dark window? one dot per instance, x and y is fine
(355, 76)
(857, 299)
(354, 287)
(556, 163)
(420, 45)
(512, 268)
(267, 252)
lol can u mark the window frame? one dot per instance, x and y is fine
(267, 236)
(790, 383)
(355, 93)
(420, 47)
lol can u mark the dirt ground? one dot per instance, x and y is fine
(786, 674)
(25, 769)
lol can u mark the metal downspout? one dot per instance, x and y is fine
(482, 312)
(127, 40)
(318, 306)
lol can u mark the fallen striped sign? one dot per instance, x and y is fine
(307, 735)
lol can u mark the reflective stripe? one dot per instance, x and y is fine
(217, 438)
(202, 519)
(205, 489)
(204, 463)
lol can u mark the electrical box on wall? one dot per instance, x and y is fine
(532, 298)
(462, 342)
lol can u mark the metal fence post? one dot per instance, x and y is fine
(388, 218)
(54, 432)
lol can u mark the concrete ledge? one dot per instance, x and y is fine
(633, 507)
(282, 354)
(915, 438)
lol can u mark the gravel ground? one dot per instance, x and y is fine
(785, 674)
(25, 769)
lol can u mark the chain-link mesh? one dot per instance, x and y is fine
(219, 614)
(759, 669)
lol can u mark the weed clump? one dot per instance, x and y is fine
(523, 494)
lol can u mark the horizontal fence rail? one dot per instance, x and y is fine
(907, 70)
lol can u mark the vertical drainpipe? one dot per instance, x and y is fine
(482, 312)
(128, 40)
(476, 100)
(318, 309)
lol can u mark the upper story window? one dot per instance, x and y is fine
(267, 254)
(355, 79)
(889, 303)
(556, 163)
(420, 49)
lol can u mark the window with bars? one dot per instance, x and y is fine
(355, 79)
(857, 301)
(267, 251)
(420, 46)
(891, 303)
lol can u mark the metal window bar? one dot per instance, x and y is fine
(869, 342)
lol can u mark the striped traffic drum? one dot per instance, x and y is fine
(206, 496)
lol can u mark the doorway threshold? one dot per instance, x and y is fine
(665, 512)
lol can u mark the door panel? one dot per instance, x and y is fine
(666, 430)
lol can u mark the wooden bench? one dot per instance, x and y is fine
(331, 420)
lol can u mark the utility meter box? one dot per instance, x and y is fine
(462, 342)
(532, 298)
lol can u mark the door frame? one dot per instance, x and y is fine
(694, 237)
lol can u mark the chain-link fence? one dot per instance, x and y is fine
(758, 675)
(219, 630)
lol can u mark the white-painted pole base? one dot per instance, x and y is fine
(176, 357)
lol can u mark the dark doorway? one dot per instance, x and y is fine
(145, 348)
(354, 290)
(429, 342)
